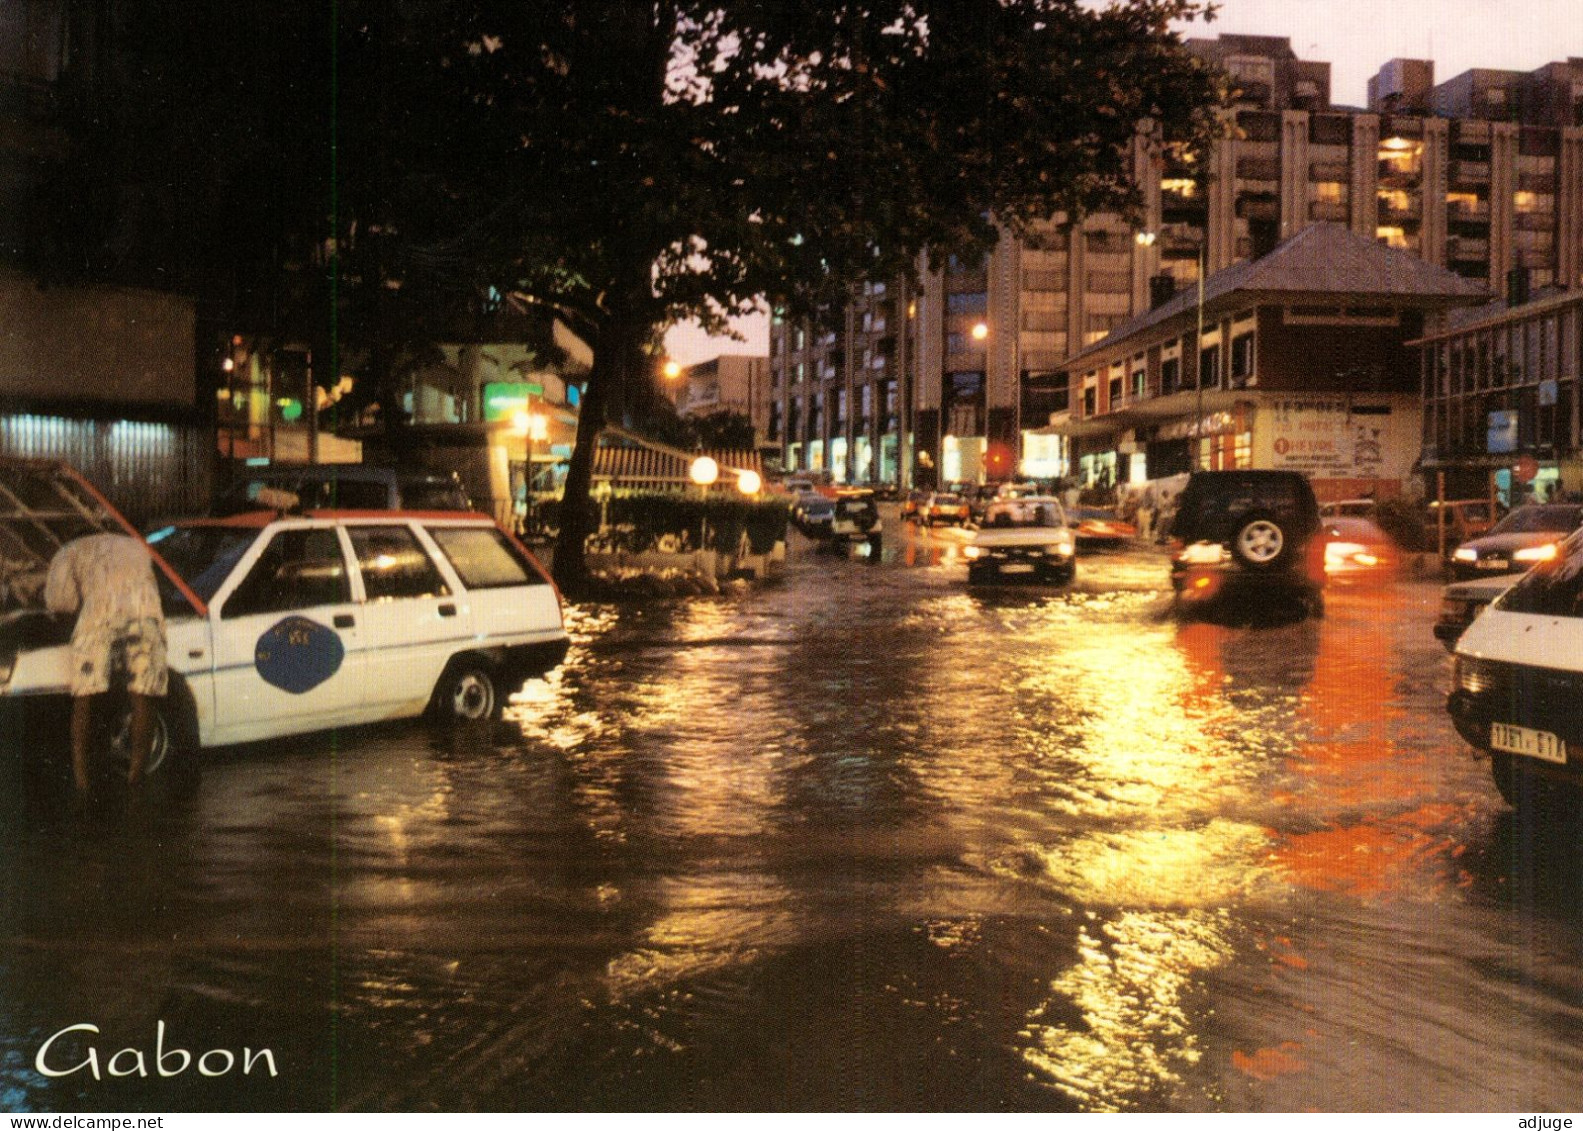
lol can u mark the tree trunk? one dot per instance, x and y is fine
(617, 348)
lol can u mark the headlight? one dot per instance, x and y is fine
(1475, 676)
(1059, 550)
(972, 552)
(1203, 553)
(1536, 553)
(1464, 554)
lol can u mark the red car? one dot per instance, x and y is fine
(1101, 527)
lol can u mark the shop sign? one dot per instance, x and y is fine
(1326, 438)
(1501, 436)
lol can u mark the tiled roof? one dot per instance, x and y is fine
(1321, 259)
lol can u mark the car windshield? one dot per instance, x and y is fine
(1553, 588)
(1541, 519)
(204, 556)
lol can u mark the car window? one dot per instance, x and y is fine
(299, 569)
(483, 557)
(203, 556)
(394, 564)
(1553, 588)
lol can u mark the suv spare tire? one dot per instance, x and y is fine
(1261, 542)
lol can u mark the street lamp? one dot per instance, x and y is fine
(1147, 239)
(704, 471)
(532, 427)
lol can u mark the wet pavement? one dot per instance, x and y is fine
(863, 839)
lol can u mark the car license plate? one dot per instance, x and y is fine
(1016, 567)
(1539, 744)
(1489, 563)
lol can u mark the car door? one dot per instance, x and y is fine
(412, 618)
(288, 642)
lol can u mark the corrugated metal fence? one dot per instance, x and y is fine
(148, 469)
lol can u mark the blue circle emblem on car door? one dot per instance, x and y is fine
(298, 654)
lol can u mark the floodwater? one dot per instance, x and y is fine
(860, 840)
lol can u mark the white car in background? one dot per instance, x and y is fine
(1023, 539)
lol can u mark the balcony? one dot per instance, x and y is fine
(1328, 210)
(1329, 171)
(1468, 210)
(1466, 249)
(1470, 172)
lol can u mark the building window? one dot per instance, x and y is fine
(1114, 393)
(1241, 359)
(967, 302)
(1209, 364)
(1170, 374)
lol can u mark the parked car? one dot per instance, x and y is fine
(1461, 601)
(1358, 550)
(1347, 508)
(347, 487)
(855, 520)
(283, 625)
(1101, 528)
(1242, 532)
(1022, 539)
(1463, 519)
(812, 513)
(1517, 678)
(941, 507)
(1528, 535)
(912, 504)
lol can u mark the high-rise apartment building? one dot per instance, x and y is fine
(1482, 174)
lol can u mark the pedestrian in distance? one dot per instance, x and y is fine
(108, 581)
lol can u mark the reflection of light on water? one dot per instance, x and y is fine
(1131, 987)
(1197, 867)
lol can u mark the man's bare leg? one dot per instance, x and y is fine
(81, 718)
(142, 736)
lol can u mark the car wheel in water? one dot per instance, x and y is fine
(172, 739)
(469, 692)
(1260, 542)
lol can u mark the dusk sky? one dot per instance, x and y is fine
(1355, 37)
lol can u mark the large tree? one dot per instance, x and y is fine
(395, 168)
(672, 159)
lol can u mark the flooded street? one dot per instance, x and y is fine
(859, 840)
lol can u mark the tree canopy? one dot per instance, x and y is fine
(394, 168)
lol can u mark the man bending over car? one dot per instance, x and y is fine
(108, 580)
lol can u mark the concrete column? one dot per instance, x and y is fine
(1569, 209)
(1145, 259)
(1221, 251)
(1436, 179)
(1294, 172)
(1364, 163)
(1503, 202)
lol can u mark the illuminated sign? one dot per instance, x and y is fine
(504, 399)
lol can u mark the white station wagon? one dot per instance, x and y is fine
(283, 624)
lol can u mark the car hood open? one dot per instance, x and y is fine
(45, 504)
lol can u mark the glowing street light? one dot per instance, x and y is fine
(532, 427)
(672, 370)
(980, 331)
(749, 482)
(704, 471)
